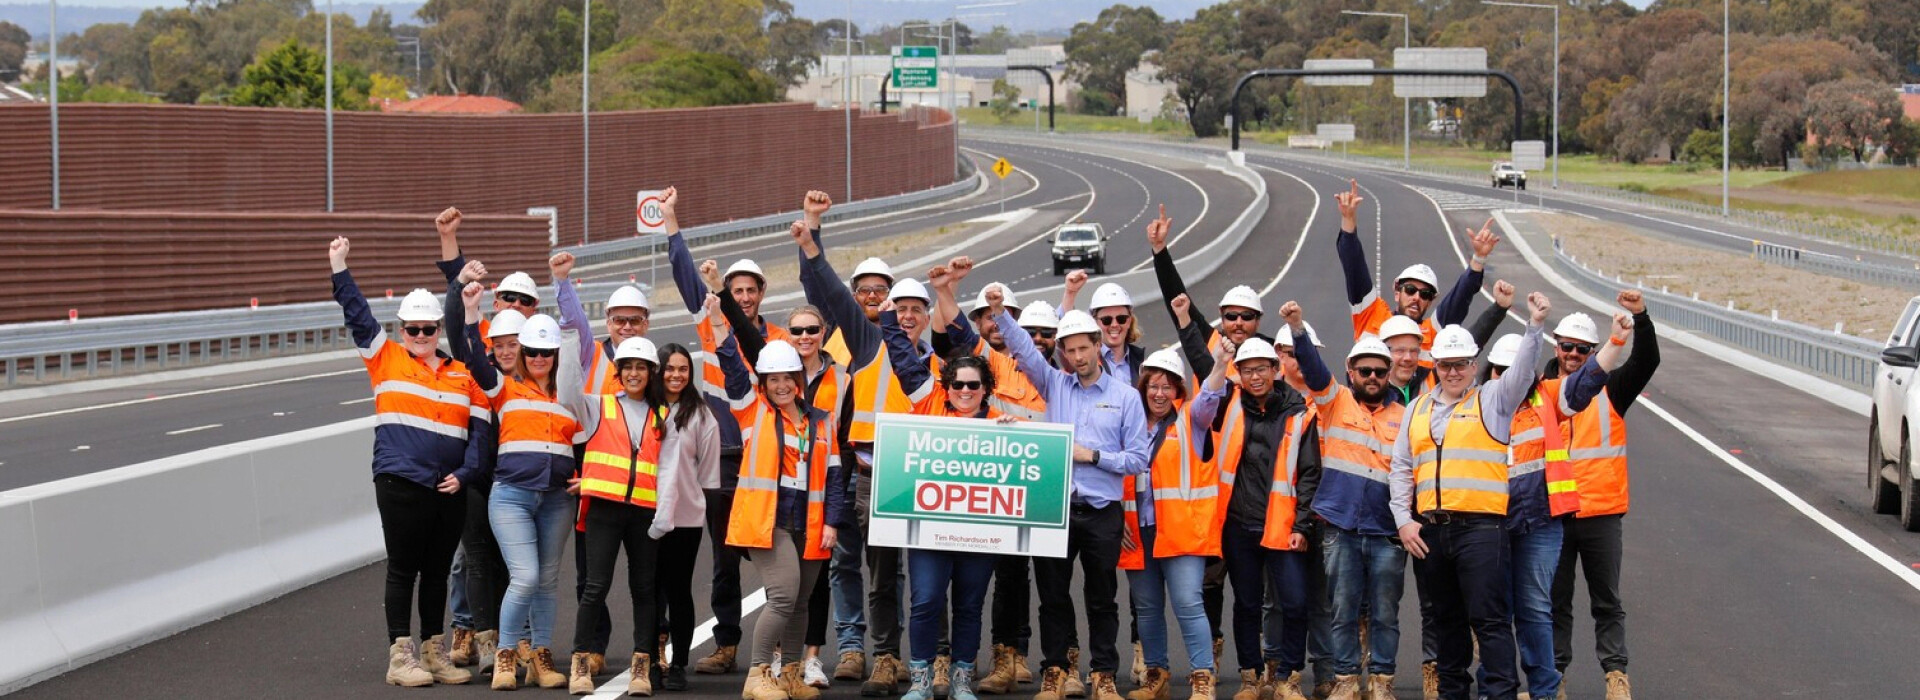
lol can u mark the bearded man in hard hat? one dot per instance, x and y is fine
(1414, 288)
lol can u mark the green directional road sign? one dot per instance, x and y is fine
(971, 485)
(916, 67)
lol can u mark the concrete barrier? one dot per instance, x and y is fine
(105, 562)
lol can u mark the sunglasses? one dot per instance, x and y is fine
(1042, 333)
(1417, 291)
(815, 329)
(626, 320)
(1239, 315)
(517, 299)
(1582, 348)
(1453, 365)
(1119, 320)
(418, 331)
(872, 289)
(1371, 371)
(539, 352)
(965, 385)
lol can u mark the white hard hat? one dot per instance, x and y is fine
(519, 282)
(1578, 326)
(628, 296)
(541, 332)
(1422, 273)
(1039, 314)
(1242, 295)
(1369, 346)
(636, 349)
(421, 305)
(745, 266)
(1504, 350)
(506, 323)
(1075, 323)
(1399, 325)
(1168, 359)
(1285, 336)
(1006, 298)
(1454, 343)
(778, 356)
(872, 266)
(1255, 348)
(1110, 294)
(909, 288)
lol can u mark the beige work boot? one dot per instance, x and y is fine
(763, 684)
(580, 675)
(853, 666)
(1380, 686)
(1051, 680)
(793, 680)
(720, 662)
(1073, 686)
(1269, 681)
(885, 680)
(1563, 690)
(1155, 684)
(1345, 687)
(640, 680)
(541, 670)
(1617, 686)
(1289, 689)
(506, 668)
(1021, 672)
(1001, 678)
(1103, 687)
(433, 658)
(485, 646)
(1202, 683)
(1430, 681)
(403, 665)
(1366, 649)
(940, 678)
(1139, 672)
(1249, 685)
(460, 650)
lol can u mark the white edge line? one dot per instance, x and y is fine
(201, 392)
(1306, 231)
(617, 685)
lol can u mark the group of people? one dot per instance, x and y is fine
(1233, 458)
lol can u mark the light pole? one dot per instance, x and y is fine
(53, 91)
(328, 88)
(1406, 108)
(1726, 104)
(1556, 77)
(846, 96)
(586, 132)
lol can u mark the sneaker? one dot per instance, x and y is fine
(814, 674)
(920, 687)
(675, 678)
(403, 665)
(720, 662)
(852, 667)
(1618, 688)
(962, 679)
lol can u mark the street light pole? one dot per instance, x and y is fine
(1726, 96)
(53, 91)
(586, 131)
(328, 88)
(1406, 108)
(846, 96)
(1556, 77)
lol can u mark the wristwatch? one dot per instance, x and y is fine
(1096, 457)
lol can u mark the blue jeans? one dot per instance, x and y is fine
(457, 590)
(1365, 572)
(1252, 569)
(1180, 578)
(843, 575)
(532, 528)
(932, 573)
(1536, 555)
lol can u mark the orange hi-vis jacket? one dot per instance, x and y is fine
(1284, 496)
(713, 381)
(423, 416)
(1185, 489)
(537, 437)
(605, 377)
(1465, 471)
(1356, 454)
(1369, 314)
(1539, 458)
(1597, 448)
(616, 468)
(781, 456)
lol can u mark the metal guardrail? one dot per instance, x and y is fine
(1836, 265)
(1843, 358)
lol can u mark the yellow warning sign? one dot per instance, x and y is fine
(1002, 168)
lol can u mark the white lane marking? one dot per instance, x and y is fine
(1206, 204)
(350, 402)
(1017, 247)
(201, 392)
(195, 429)
(617, 686)
(81, 448)
(1306, 230)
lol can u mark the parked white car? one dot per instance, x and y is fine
(1896, 405)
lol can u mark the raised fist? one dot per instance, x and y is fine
(670, 198)
(337, 252)
(561, 265)
(815, 205)
(1622, 329)
(938, 276)
(960, 267)
(800, 232)
(448, 222)
(1503, 294)
(473, 272)
(710, 273)
(995, 299)
(470, 294)
(1182, 310)
(1076, 280)
(1539, 306)
(1223, 353)
(1290, 312)
(1631, 301)
(714, 317)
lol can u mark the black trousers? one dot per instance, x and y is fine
(725, 596)
(610, 527)
(819, 615)
(681, 546)
(1213, 594)
(1093, 537)
(422, 528)
(1470, 581)
(597, 632)
(1012, 603)
(1596, 545)
(486, 571)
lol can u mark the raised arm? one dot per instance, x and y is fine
(1076, 280)
(1312, 368)
(447, 226)
(693, 291)
(830, 293)
(1168, 274)
(1577, 391)
(570, 380)
(1502, 397)
(739, 378)
(746, 332)
(1625, 384)
(1488, 322)
(572, 313)
(908, 365)
(1454, 306)
(1020, 347)
(1353, 258)
(467, 342)
(1194, 336)
(368, 335)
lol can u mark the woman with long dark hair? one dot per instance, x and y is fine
(683, 504)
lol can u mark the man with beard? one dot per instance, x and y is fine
(1413, 289)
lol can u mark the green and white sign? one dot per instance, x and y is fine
(916, 67)
(969, 485)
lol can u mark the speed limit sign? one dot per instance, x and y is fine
(647, 215)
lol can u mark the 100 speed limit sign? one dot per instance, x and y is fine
(647, 215)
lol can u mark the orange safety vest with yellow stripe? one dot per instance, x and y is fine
(614, 468)
(875, 391)
(1013, 393)
(1186, 500)
(534, 424)
(1597, 448)
(713, 381)
(1356, 447)
(1284, 495)
(1463, 472)
(1538, 450)
(767, 440)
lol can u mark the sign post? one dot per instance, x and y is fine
(1002, 168)
(969, 485)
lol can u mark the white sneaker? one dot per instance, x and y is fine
(814, 675)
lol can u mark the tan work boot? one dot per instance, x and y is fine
(885, 680)
(1051, 681)
(793, 680)
(433, 658)
(1269, 680)
(1219, 647)
(1563, 690)
(506, 668)
(1073, 686)
(1289, 689)
(542, 671)
(721, 661)
(1618, 688)
(1103, 687)
(763, 684)
(1430, 681)
(1139, 665)
(1202, 683)
(1021, 673)
(1380, 686)
(579, 675)
(1345, 687)
(1001, 678)
(460, 650)
(403, 665)
(1249, 685)
(640, 680)
(1155, 684)
(485, 646)
(853, 666)
(940, 681)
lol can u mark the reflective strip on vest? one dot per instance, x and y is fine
(1014, 409)
(413, 421)
(536, 446)
(1346, 467)
(1356, 437)
(1465, 471)
(536, 405)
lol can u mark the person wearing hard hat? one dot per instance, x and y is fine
(1240, 307)
(1040, 322)
(1597, 450)
(479, 565)
(791, 503)
(1013, 394)
(1112, 307)
(1414, 288)
(1170, 517)
(1268, 449)
(422, 456)
(1450, 505)
(1111, 439)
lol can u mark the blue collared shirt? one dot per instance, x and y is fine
(1106, 417)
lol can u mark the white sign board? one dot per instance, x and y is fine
(1339, 64)
(1530, 155)
(647, 216)
(1335, 133)
(1439, 59)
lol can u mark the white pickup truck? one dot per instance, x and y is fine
(1896, 406)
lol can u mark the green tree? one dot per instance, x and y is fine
(1702, 148)
(13, 50)
(294, 76)
(1006, 100)
(1101, 52)
(655, 75)
(1851, 113)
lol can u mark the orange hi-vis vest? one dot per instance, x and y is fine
(1284, 495)
(1463, 472)
(1013, 393)
(1538, 450)
(605, 377)
(1597, 447)
(1369, 314)
(533, 423)
(1356, 455)
(875, 391)
(1186, 500)
(779, 455)
(614, 468)
(713, 381)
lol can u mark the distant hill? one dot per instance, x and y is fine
(76, 18)
(1029, 15)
